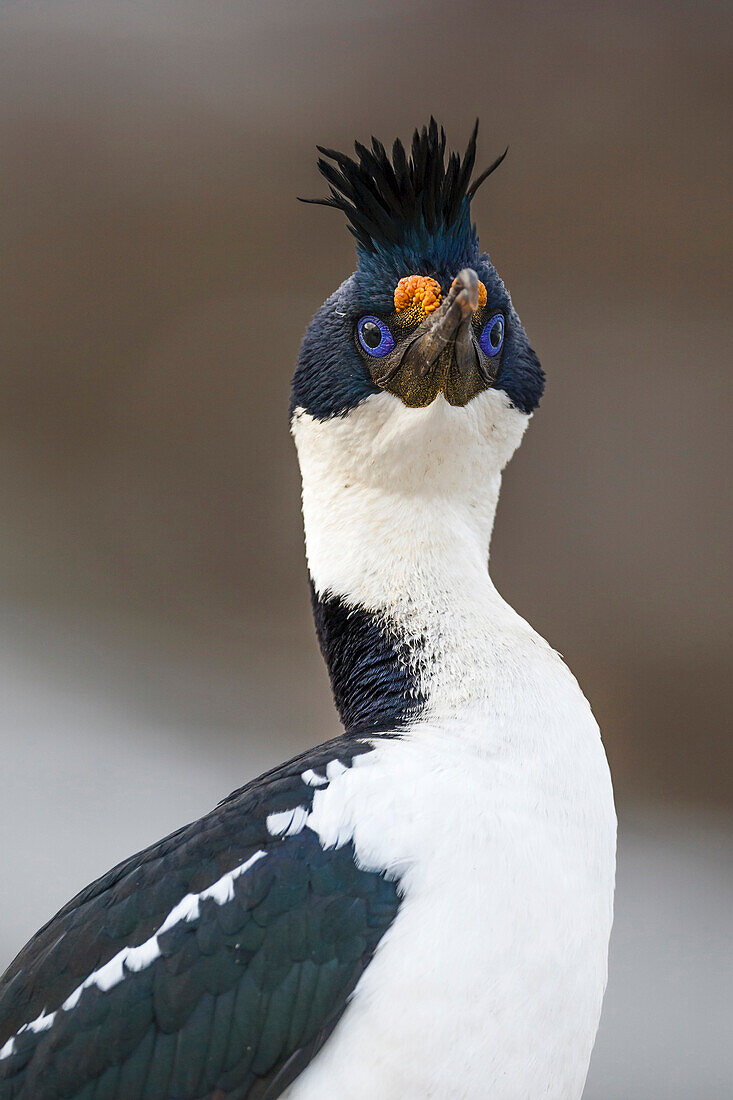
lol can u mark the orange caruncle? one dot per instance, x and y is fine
(418, 291)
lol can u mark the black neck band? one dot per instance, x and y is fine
(374, 682)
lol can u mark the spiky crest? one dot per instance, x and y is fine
(386, 201)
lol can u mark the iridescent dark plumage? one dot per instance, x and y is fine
(385, 199)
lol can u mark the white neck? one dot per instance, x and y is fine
(399, 506)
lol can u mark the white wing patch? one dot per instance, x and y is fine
(134, 959)
(312, 779)
(292, 822)
(330, 817)
(288, 822)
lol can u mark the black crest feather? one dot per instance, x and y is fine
(383, 198)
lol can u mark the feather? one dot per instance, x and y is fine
(384, 199)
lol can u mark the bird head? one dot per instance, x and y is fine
(421, 344)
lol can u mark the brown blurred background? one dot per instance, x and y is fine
(155, 639)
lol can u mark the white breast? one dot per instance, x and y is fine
(501, 826)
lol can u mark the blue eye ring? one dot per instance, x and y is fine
(491, 339)
(365, 331)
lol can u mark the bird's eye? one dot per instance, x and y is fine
(492, 335)
(374, 336)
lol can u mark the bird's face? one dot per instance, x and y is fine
(440, 341)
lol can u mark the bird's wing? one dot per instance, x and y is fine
(213, 965)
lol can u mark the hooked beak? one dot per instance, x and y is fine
(441, 355)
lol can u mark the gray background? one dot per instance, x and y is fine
(155, 641)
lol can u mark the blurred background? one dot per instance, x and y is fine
(156, 647)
